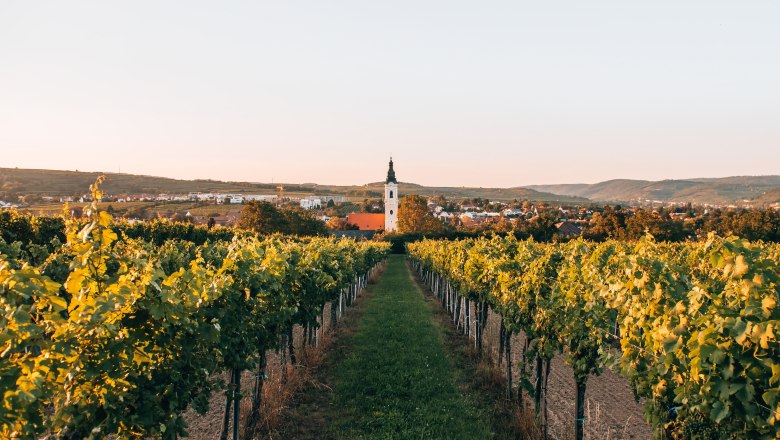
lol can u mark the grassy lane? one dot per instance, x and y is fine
(396, 380)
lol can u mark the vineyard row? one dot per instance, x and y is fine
(691, 326)
(112, 335)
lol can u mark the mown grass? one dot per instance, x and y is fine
(397, 380)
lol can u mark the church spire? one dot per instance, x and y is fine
(391, 173)
(391, 200)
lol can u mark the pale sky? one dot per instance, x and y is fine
(480, 93)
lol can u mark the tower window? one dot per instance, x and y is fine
(391, 212)
(391, 194)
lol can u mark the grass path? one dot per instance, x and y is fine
(392, 375)
(398, 381)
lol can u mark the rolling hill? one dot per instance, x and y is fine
(755, 190)
(740, 190)
(67, 183)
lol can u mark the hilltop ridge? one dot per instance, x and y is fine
(735, 190)
(758, 190)
(68, 183)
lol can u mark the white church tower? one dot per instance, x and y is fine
(391, 200)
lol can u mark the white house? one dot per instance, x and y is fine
(205, 196)
(261, 197)
(311, 203)
(334, 199)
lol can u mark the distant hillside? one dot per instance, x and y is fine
(757, 190)
(485, 193)
(770, 197)
(58, 183)
(741, 190)
(67, 183)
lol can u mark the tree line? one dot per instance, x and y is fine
(610, 222)
(752, 224)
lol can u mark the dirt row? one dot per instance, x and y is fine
(276, 395)
(611, 411)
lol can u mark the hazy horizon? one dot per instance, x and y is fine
(400, 181)
(495, 94)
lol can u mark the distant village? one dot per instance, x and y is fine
(191, 199)
(215, 198)
(339, 213)
(365, 217)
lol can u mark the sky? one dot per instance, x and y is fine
(480, 93)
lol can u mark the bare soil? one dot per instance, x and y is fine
(278, 394)
(312, 410)
(301, 408)
(611, 411)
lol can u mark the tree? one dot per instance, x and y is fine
(340, 224)
(265, 218)
(503, 224)
(300, 221)
(750, 224)
(541, 228)
(372, 206)
(611, 223)
(342, 209)
(413, 216)
(181, 218)
(261, 217)
(663, 229)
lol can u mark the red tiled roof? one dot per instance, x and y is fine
(367, 222)
(568, 228)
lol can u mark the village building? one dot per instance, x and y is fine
(366, 221)
(311, 203)
(568, 229)
(387, 221)
(261, 197)
(391, 200)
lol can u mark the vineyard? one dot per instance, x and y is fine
(110, 329)
(690, 326)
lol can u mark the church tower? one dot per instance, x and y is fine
(391, 200)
